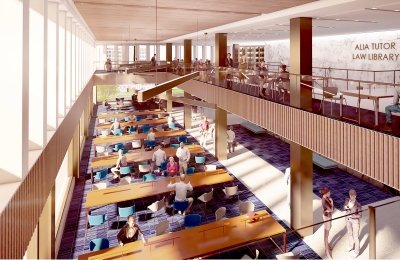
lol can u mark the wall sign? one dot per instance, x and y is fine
(376, 51)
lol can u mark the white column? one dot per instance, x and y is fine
(68, 62)
(158, 52)
(79, 64)
(73, 59)
(148, 52)
(104, 55)
(115, 58)
(124, 53)
(212, 54)
(137, 51)
(14, 95)
(52, 66)
(177, 51)
(76, 61)
(195, 53)
(37, 94)
(204, 54)
(61, 63)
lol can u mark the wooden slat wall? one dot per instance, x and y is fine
(372, 153)
(18, 220)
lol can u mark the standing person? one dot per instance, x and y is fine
(242, 66)
(392, 108)
(327, 206)
(121, 162)
(283, 76)
(183, 155)
(107, 65)
(159, 156)
(204, 126)
(231, 139)
(229, 65)
(194, 113)
(352, 206)
(172, 167)
(153, 60)
(181, 189)
(130, 232)
(287, 181)
(228, 61)
(195, 64)
(262, 76)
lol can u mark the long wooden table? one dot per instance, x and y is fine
(199, 241)
(128, 137)
(135, 123)
(136, 113)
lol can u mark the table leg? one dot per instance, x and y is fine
(91, 175)
(376, 112)
(284, 242)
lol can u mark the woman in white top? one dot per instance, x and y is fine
(132, 118)
(170, 119)
(116, 125)
(121, 162)
(231, 138)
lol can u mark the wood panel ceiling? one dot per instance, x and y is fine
(110, 20)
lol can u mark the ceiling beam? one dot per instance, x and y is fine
(146, 94)
(187, 101)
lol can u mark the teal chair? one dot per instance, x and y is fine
(139, 118)
(125, 170)
(97, 220)
(188, 143)
(179, 206)
(174, 145)
(150, 143)
(172, 126)
(182, 139)
(125, 212)
(200, 160)
(125, 151)
(100, 175)
(126, 118)
(118, 132)
(99, 244)
(145, 129)
(149, 177)
(190, 170)
(118, 147)
(192, 220)
(132, 130)
(163, 166)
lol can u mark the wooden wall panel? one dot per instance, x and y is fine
(372, 153)
(19, 218)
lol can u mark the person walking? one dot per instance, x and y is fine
(204, 126)
(327, 206)
(231, 139)
(183, 155)
(351, 206)
(153, 60)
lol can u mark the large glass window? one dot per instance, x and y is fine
(142, 52)
(131, 53)
(119, 53)
(182, 52)
(110, 52)
(152, 50)
(163, 53)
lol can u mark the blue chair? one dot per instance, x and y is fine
(139, 118)
(163, 166)
(192, 220)
(132, 130)
(126, 118)
(190, 170)
(149, 177)
(150, 143)
(99, 244)
(145, 129)
(125, 170)
(165, 174)
(180, 206)
(125, 212)
(118, 132)
(96, 220)
(189, 143)
(200, 160)
(125, 151)
(174, 145)
(101, 175)
(182, 139)
(172, 126)
(118, 147)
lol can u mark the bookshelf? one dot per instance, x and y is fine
(253, 55)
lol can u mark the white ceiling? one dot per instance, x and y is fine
(275, 26)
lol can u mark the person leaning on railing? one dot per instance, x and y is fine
(392, 108)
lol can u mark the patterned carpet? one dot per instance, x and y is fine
(277, 153)
(73, 243)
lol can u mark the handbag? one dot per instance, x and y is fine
(234, 143)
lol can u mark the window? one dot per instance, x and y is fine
(199, 52)
(131, 53)
(110, 52)
(173, 52)
(163, 53)
(208, 52)
(182, 52)
(152, 50)
(119, 53)
(142, 52)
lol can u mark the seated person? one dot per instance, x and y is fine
(106, 105)
(181, 189)
(151, 136)
(130, 232)
(170, 119)
(121, 162)
(132, 118)
(159, 156)
(116, 125)
(392, 108)
(172, 167)
(120, 101)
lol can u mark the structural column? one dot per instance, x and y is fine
(204, 53)
(52, 66)
(68, 52)
(235, 52)
(168, 52)
(187, 112)
(220, 55)
(115, 58)
(187, 51)
(301, 164)
(61, 63)
(73, 61)
(221, 120)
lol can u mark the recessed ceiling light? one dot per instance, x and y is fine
(263, 33)
(337, 19)
(374, 8)
(356, 20)
(286, 30)
(396, 10)
(258, 36)
(276, 33)
(317, 18)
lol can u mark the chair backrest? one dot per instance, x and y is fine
(209, 196)
(98, 244)
(220, 213)
(144, 168)
(150, 117)
(125, 181)
(210, 167)
(167, 141)
(181, 205)
(127, 211)
(174, 145)
(230, 191)
(136, 144)
(162, 227)
(102, 120)
(149, 177)
(159, 127)
(163, 165)
(145, 129)
(99, 186)
(96, 220)
(192, 220)
(329, 92)
(156, 206)
(132, 129)
(125, 170)
(126, 118)
(288, 255)
(139, 118)
(118, 147)
(246, 207)
(200, 159)
(118, 132)
(182, 139)
(151, 143)
(102, 174)
(105, 132)
(100, 148)
(190, 170)
(172, 125)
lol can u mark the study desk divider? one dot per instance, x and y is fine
(136, 113)
(201, 241)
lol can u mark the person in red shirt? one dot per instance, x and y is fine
(204, 126)
(172, 167)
